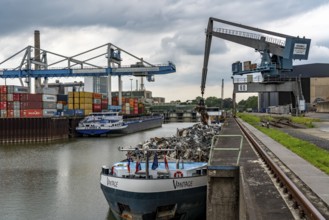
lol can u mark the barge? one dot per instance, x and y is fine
(167, 192)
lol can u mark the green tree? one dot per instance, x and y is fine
(251, 102)
(228, 103)
(212, 101)
(215, 102)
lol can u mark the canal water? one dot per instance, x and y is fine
(61, 180)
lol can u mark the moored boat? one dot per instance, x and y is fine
(111, 123)
(170, 191)
(100, 123)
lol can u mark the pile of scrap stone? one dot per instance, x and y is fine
(192, 144)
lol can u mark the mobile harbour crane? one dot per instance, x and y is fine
(277, 54)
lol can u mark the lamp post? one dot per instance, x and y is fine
(131, 87)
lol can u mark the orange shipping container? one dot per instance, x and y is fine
(97, 96)
(3, 97)
(13, 113)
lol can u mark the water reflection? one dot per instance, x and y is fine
(61, 180)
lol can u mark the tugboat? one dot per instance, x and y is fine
(168, 190)
(100, 123)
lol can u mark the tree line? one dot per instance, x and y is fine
(227, 104)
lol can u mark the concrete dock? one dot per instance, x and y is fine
(244, 190)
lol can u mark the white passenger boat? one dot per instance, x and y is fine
(111, 123)
(133, 191)
(100, 123)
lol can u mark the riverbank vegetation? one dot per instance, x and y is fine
(310, 152)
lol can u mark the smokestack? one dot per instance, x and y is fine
(37, 58)
(37, 48)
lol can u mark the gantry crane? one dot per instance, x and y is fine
(75, 67)
(46, 65)
(277, 52)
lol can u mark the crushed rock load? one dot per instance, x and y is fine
(192, 144)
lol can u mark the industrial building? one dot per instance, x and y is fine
(314, 84)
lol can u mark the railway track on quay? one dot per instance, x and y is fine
(301, 200)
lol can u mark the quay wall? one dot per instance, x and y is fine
(32, 130)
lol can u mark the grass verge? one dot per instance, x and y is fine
(310, 152)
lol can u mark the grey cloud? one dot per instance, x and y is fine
(148, 15)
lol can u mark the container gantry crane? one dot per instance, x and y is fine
(46, 65)
(75, 67)
(277, 52)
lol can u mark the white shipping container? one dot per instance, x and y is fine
(3, 113)
(127, 108)
(49, 112)
(17, 113)
(49, 105)
(10, 97)
(97, 101)
(17, 89)
(17, 105)
(47, 91)
(60, 106)
(302, 105)
(49, 98)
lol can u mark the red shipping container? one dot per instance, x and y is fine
(104, 106)
(31, 113)
(3, 105)
(3, 97)
(27, 97)
(104, 101)
(31, 105)
(97, 107)
(3, 89)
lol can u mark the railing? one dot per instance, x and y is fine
(264, 79)
(250, 35)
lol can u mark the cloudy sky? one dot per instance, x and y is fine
(161, 31)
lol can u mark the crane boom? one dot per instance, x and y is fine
(277, 52)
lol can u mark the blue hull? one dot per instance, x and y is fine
(191, 203)
(93, 132)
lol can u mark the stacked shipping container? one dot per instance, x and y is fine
(16, 102)
(83, 100)
(130, 105)
(87, 102)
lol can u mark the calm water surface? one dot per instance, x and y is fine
(61, 180)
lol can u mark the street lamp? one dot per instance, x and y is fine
(131, 87)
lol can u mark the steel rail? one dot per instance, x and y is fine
(307, 207)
